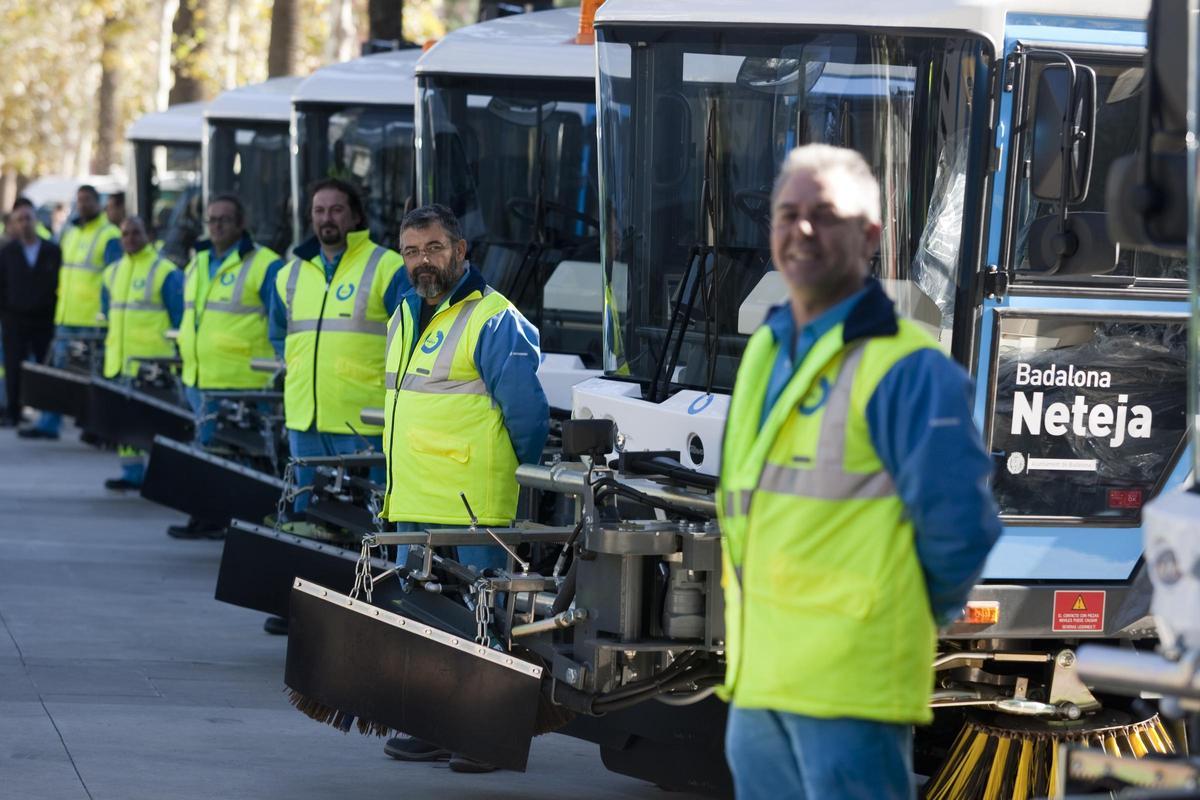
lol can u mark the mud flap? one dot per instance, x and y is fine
(127, 416)
(187, 479)
(348, 658)
(58, 391)
(677, 748)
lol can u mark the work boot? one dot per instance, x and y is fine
(121, 485)
(196, 529)
(276, 626)
(410, 748)
(460, 763)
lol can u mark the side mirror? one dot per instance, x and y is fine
(1063, 127)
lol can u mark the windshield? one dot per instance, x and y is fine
(167, 180)
(369, 145)
(517, 164)
(694, 128)
(254, 163)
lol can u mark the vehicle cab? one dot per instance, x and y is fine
(164, 175)
(247, 152)
(354, 120)
(507, 139)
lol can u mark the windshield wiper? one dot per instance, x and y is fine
(702, 285)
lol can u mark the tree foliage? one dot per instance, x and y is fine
(79, 72)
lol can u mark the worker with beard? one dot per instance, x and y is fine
(464, 406)
(854, 507)
(329, 324)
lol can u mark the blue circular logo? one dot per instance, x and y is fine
(811, 408)
(345, 291)
(140, 283)
(228, 278)
(699, 404)
(433, 341)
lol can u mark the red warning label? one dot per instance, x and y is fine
(1078, 611)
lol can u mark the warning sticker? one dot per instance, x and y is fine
(1078, 611)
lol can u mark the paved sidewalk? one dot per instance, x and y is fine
(122, 679)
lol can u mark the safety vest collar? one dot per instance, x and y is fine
(244, 245)
(310, 248)
(873, 314)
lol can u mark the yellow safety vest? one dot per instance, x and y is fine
(224, 323)
(443, 434)
(82, 272)
(137, 318)
(826, 609)
(336, 337)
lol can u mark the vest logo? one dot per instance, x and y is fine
(345, 291)
(140, 283)
(433, 341)
(228, 278)
(809, 407)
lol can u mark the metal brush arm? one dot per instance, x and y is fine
(1130, 672)
(567, 478)
(450, 537)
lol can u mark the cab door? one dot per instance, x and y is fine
(1081, 362)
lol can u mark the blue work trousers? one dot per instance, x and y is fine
(774, 754)
(205, 410)
(47, 421)
(312, 443)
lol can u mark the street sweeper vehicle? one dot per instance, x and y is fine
(247, 151)
(995, 240)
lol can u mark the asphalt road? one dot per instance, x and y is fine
(122, 679)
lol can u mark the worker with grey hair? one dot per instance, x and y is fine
(854, 506)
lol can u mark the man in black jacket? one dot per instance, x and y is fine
(29, 268)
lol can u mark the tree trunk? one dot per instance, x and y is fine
(8, 187)
(189, 84)
(284, 47)
(166, 20)
(386, 20)
(343, 34)
(107, 134)
(233, 44)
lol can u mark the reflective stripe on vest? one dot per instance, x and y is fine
(147, 302)
(827, 479)
(224, 325)
(438, 380)
(87, 265)
(239, 287)
(358, 322)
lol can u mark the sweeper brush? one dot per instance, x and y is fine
(1006, 758)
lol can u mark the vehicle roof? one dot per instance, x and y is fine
(982, 16)
(269, 101)
(540, 44)
(380, 79)
(62, 188)
(183, 122)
